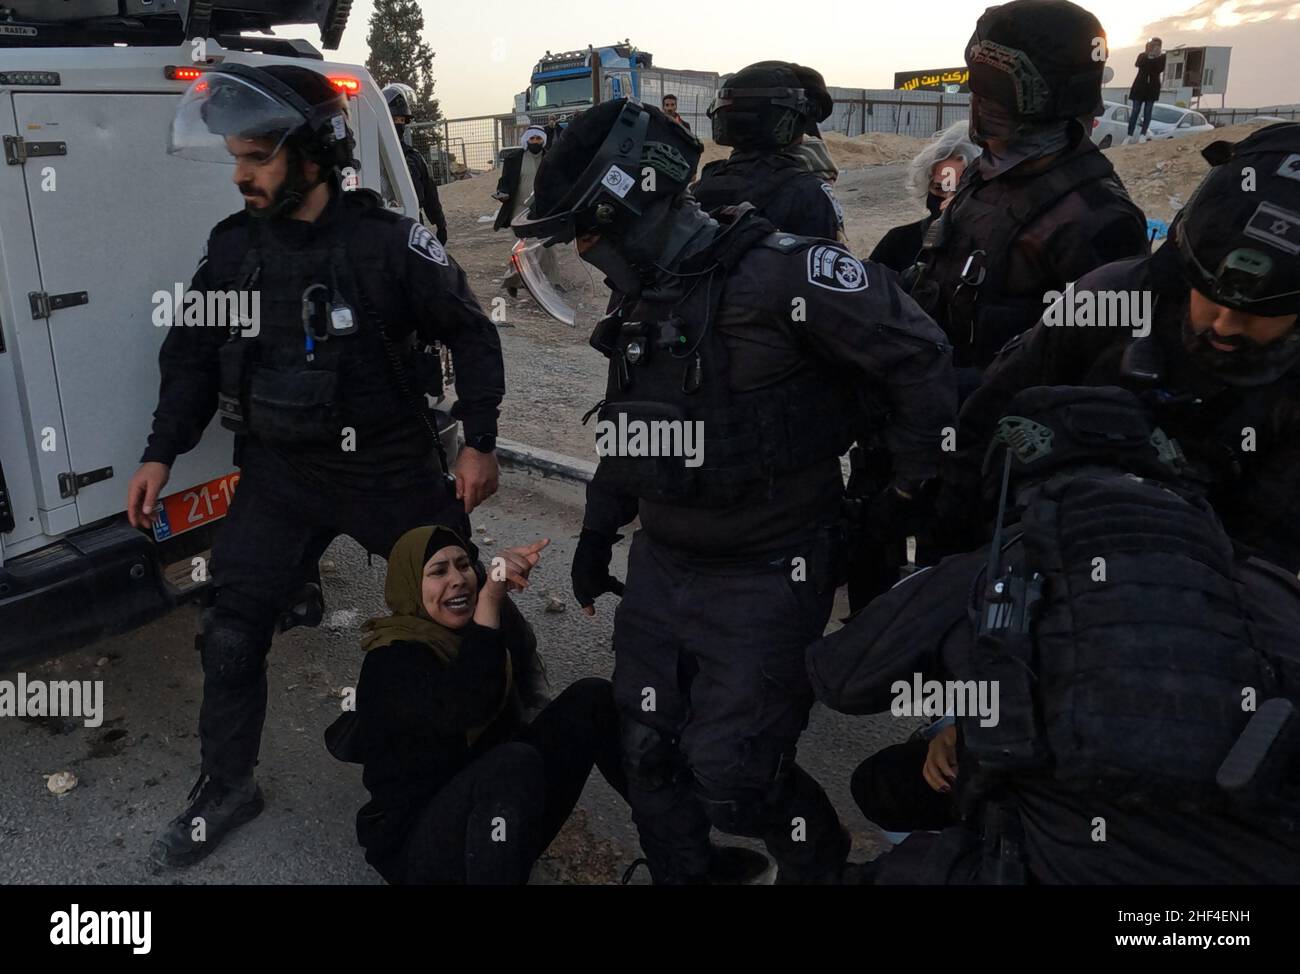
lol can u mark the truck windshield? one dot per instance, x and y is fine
(564, 91)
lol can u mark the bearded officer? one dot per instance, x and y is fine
(1209, 341)
(754, 347)
(332, 434)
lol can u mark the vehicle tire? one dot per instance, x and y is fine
(1105, 142)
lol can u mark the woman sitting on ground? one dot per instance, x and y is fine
(462, 790)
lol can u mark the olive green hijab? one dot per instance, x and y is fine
(403, 593)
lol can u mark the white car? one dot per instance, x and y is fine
(1167, 122)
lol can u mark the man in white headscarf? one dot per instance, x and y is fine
(518, 169)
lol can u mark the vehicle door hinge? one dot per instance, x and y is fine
(71, 483)
(42, 303)
(18, 150)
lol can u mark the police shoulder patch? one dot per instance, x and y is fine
(426, 244)
(830, 195)
(835, 269)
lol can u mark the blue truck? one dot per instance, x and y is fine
(568, 82)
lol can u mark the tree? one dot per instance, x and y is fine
(398, 52)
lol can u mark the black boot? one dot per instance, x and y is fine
(217, 809)
(734, 865)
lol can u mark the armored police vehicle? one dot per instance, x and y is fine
(97, 221)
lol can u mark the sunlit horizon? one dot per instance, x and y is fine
(485, 53)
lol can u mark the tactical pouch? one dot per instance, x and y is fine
(628, 436)
(235, 359)
(299, 405)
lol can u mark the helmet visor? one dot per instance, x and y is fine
(221, 117)
(603, 189)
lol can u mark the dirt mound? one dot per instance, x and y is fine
(872, 149)
(1161, 175)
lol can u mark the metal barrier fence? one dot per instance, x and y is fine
(916, 113)
(456, 147)
(1231, 116)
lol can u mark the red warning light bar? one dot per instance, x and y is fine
(349, 86)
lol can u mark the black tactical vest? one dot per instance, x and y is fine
(1119, 644)
(278, 385)
(755, 179)
(960, 275)
(668, 367)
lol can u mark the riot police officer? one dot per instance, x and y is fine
(747, 348)
(401, 105)
(763, 111)
(1214, 356)
(333, 433)
(1043, 206)
(1125, 681)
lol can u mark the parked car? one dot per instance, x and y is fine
(1167, 122)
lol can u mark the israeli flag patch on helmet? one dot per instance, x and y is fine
(1276, 226)
(426, 245)
(835, 269)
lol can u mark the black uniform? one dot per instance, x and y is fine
(299, 481)
(1119, 704)
(426, 189)
(781, 188)
(729, 577)
(1253, 482)
(1002, 243)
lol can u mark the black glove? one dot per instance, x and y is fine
(442, 235)
(897, 511)
(590, 572)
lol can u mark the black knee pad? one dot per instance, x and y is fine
(653, 762)
(231, 658)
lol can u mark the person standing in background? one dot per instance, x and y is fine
(518, 170)
(1146, 88)
(669, 103)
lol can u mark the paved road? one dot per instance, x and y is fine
(135, 770)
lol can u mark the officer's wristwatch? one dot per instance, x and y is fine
(484, 442)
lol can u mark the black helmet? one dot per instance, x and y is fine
(291, 104)
(1039, 59)
(764, 105)
(401, 99)
(815, 87)
(613, 160)
(1238, 237)
(1048, 429)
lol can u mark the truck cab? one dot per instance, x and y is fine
(96, 221)
(565, 83)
